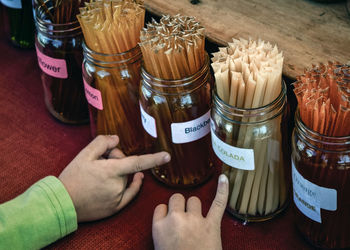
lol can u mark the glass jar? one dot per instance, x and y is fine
(59, 52)
(321, 186)
(252, 147)
(20, 22)
(112, 89)
(175, 114)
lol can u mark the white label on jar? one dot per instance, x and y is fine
(194, 130)
(15, 4)
(241, 158)
(310, 198)
(148, 123)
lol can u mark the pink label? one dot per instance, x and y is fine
(52, 66)
(93, 96)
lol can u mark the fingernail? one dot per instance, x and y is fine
(223, 179)
(167, 157)
(114, 136)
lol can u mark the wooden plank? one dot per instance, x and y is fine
(307, 32)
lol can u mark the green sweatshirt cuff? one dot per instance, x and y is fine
(62, 202)
(41, 215)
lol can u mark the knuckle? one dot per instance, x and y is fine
(221, 191)
(175, 216)
(219, 203)
(138, 165)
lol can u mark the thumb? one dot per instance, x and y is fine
(218, 206)
(99, 146)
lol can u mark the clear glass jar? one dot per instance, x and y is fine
(175, 116)
(20, 21)
(112, 90)
(253, 150)
(59, 51)
(321, 186)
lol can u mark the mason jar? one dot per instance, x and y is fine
(321, 186)
(251, 146)
(176, 117)
(20, 24)
(59, 52)
(112, 89)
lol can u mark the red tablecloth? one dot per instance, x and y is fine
(34, 145)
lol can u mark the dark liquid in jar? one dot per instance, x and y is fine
(190, 162)
(333, 232)
(121, 110)
(65, 98)
(21, 25)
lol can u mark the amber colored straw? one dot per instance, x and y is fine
(248, 75)
(323, 94)
(113, 27)
(173, 49)
(66, 98)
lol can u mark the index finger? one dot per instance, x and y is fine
(218, 206)
(133, 164)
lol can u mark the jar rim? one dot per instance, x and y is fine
(278, 99)
(110, 59)
(175, 83)
(89, 50)
(299, 124)
(56, 28)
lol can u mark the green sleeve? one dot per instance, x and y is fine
(38, 217)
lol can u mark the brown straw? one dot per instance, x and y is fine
(112, 27)
(68, 100)
(248, 75)
(323, 95)
(173, 49)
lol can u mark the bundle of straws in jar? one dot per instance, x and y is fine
(112, 27)
(60, 11)
(111, 30)
(323, 94)
(248, 76)
(66, 95)
(173, 48)
(173, 53)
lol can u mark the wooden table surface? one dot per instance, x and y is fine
(308, 32)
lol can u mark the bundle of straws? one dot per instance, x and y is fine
(248, 75)
(323, 94)
(60, 11)
(112, 28)
(173, 49)
(67, 95)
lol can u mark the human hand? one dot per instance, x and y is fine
(97, 185)
(174, 228)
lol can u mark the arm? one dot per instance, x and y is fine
(91, 187)
(39, 216)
